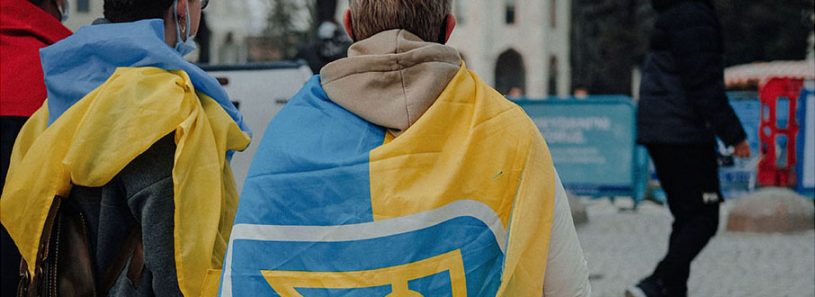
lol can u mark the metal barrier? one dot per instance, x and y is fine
(592, 143)
(806, 141)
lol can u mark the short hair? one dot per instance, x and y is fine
(121, 11)
(421, 17)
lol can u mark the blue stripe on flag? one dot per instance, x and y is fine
(482, 259)
(312, 166)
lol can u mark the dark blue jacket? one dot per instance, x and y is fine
(682, 97)
(141, 195)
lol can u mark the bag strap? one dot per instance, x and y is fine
(131, 251)
(30, 284)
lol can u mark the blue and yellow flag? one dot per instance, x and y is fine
(460, 204)
(113, 91)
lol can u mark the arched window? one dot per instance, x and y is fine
(510, 12)
(510, 74)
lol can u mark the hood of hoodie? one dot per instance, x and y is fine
(391, 78)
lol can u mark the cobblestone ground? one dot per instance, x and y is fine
(623, 246)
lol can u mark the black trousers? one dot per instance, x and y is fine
(689, 176)
(9, 256)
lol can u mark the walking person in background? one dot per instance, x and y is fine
(230, 51)
(26, 26)
(683, 108)
(119, 185)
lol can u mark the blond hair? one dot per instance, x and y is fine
(421, 17)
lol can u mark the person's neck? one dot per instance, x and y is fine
(170, 35)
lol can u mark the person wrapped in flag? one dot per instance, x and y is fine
(119, 184)
(398, 172)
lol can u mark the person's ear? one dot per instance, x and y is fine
(348, 24)
(449, 25)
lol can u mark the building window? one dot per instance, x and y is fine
(83, 6)
(553, 14)
(460, 13)
(510, 12)
(553, 76)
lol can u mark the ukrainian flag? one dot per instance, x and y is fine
(460, 204)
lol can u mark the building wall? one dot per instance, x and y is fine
(484, 35)
(481, 36)
(225, 17)
(81, 18)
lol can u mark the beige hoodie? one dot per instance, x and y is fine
(391, 79)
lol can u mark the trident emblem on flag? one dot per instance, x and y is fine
(286, 283)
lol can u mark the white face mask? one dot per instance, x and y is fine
(64, 10)
(184, 46)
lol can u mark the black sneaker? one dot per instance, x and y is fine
(649, 287)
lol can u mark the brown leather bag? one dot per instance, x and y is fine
(64, 264)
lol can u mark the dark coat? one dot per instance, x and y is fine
(682, 97)
(25, 30)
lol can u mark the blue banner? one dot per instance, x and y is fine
(593, 144)
(738, 176)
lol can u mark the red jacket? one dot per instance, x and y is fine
(24, 29)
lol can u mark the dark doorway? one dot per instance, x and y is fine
(510, 72)
(553, 76)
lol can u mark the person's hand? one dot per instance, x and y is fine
(742, 150)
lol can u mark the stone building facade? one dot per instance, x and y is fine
(517, 43)
(521, 44)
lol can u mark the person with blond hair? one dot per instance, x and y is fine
(397, 172)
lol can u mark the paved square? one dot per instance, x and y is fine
(623, 246)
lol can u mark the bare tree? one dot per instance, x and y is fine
(610, 37)
(289, 24)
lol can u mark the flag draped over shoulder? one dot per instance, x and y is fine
(113, 91)
(79, 64)
(460, 204)
(112, 122)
